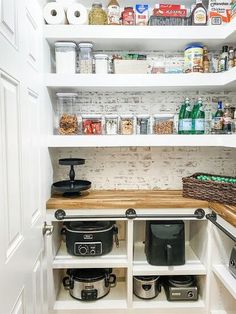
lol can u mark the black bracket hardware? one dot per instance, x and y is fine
(130, 213)
(213, 218)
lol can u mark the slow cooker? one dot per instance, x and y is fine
(90, 238)
(146, 287)
(89, 284)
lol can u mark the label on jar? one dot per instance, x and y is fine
(199, 125)
(193, 59)
(187, 124)
(218, 123)
(113, 14)
(200, 16)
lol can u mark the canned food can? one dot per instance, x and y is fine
(193, 59)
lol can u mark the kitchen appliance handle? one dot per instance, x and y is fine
(130, 213)
(213, 217)
(169, 254)
(66, 283)
(112, 280)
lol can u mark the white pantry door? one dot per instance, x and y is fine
(21, 205)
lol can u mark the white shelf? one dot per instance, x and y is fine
(141, 140)
(141, 82)
(160, 302)
(192, 266)
(222, 272)
(116, 258)
(116, 299)
(142, 37)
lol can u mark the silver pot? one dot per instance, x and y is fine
(89, 284)
(146, 287)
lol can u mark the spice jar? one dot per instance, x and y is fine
(85, 58)
(97, 16)
(143, 124)
(101, 63)
(128, 16)
(126, 124)
(66, 119)
(163, 124)
(111, 124)
(65, 53)
(92, 124)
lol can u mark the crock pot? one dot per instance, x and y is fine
(89, 238)
(89, 284)
(146, 287)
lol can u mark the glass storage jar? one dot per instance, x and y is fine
(143, 124)
(66, 119)
(126, 124)
(65, 53)
(85, 58)
(97, 16)
(163, 124)
(101, 63)
(92, 124)
(111, 124)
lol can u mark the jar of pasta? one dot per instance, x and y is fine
(97, 16)
(163, 124)
(126, 124)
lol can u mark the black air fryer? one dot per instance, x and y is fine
(165, 243)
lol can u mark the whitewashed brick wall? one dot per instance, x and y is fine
(145, 167)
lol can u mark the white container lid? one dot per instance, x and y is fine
(142, 116)
(126, 116)
(65, 44)
(100, 56)
(163, 115)
(66, 95)
(114, 116)
(85, 45)
(91, 116)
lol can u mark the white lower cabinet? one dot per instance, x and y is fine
(207, 252)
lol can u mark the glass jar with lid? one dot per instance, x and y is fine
(65, 53)
(92, 124)
(97, 16)
(143, 124)
(66, 119)
(127, 124)
(101, 63)
(163, 124)
(85, 58)
(111, 124)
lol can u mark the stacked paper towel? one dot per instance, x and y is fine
(65, 12)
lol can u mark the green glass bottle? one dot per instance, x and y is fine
(187, 119)
(198, 115)
(181, 115)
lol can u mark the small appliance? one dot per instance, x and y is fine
(146, 287)
(232, 262)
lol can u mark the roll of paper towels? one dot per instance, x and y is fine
(54, 13)
(77, 14)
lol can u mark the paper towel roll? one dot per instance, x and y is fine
(77, 14)
(54, 13)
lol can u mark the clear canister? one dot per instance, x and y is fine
(92, 124)
(101, 63)
(65, 53)
(66, 118)
(97, 16)
(163, 124)
(85, 58)
(143, 124)
(111, 124)
(126, 124)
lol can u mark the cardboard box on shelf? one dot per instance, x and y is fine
(219, 12)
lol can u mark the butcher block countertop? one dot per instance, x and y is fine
(227, 212)
(107, 199)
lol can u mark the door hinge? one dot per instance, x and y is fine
(47, 229)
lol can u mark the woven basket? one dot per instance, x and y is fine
(209, 190)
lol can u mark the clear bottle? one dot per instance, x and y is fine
(187, 120)
(85, 58)
(199, 14)
(113, 12)
(97, 16)
(111, 124)
(218, 118)
(227, 120)
(198, 116)
(66, 119)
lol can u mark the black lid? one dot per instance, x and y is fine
(88, 225)
(147, 278)
(88, 274)
(180, 281)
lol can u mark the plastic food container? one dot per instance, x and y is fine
(92, 124)
(85, 58)
(163, 124)
(101, 63)
(142, 124)
(66, 119)
(130, 66)
(65, 53)
(111, 124)
(126, 124)
(193, 59)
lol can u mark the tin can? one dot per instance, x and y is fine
(193, 59)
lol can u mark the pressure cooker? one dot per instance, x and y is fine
(89, 284)
(90, 238)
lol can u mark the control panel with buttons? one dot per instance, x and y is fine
(88, 248)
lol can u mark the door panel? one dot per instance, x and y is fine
(8, 25)
(19, 306)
